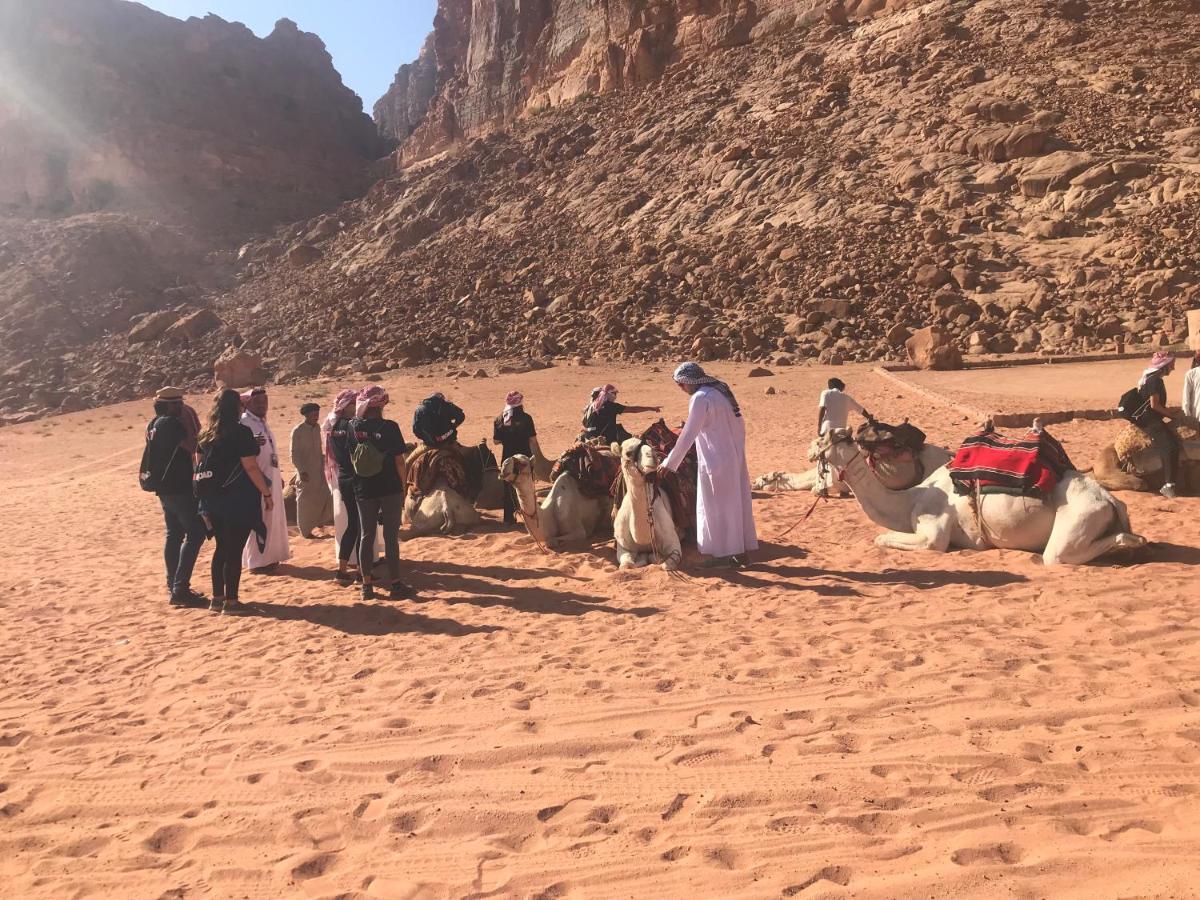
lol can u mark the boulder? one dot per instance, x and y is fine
(1053, 172)
(933, 277)
(301, 255)
(1001, 143)
(153, 326)
(238, 369)
(933, 348)
(759, 372)
(193, 326)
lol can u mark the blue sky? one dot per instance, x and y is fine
(368, 39)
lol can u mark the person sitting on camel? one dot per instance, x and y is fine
(600, 416)
(436, 421)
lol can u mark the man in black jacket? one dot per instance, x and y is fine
(168, 465)
(436, 421)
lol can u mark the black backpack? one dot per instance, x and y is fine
(212, 475)
(1132, 406)
(155, 460)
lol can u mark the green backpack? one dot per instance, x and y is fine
(367, 460)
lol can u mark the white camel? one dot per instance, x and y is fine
(1079, 523)
(894, 473)
(643, 526)
(566, 516)
(442, 510)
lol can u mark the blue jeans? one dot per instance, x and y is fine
(185, 537)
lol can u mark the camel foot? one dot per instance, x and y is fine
(1129, 541)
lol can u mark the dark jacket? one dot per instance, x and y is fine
(436, 421)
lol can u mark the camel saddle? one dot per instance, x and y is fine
(680, 486)
(593, 465)
(990, 463)
(1133, 441)
(429, 465)
(880, 439)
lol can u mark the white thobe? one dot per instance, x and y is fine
(1191, 393)
(277, 550)
(724, 515)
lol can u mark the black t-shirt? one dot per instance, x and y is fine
(339, 441)
(1154, 387)
(385, 435)
(515, 437)
(225, 454)
(603, 423)
(166, 435)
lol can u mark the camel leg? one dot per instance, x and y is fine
(626, 559)
(932, 533)
(1078, 536)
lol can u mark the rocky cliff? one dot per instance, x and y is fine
(487, 63)
(108, 105)
(1023, 175)
(136, 152)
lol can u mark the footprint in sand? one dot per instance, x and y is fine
(990, 854)
(1149, 825)
(306, 765)
(839, 875)
(314, 867)
(170, 839)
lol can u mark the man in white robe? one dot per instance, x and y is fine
(724, 516)
(1191, 390)
(277, 550)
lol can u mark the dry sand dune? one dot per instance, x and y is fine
(838, 721)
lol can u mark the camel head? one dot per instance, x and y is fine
(514, 467)
(638, 457)
(836, 447)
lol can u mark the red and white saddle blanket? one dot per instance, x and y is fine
(991, 463)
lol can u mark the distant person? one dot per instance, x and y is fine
(314, 502)
(725, 530)
(514, 432)
(1191, 390)
(377, 456)
(1152, 417)
(233, 494)
(339, 473)
(600, 416)
(166, 470)
(834, 407)
(436, 421)
(833, 411)
(263, 561)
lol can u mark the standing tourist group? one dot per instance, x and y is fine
(221, 479)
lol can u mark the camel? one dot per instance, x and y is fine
(565, 516)
(431, 504)
(643, 526)
(1131, 463)
(895, 474)
(1081, 521)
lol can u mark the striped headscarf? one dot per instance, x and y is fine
(342, 402)
(691, 373)
(1160, 364)
(370, 397)
(512, 402)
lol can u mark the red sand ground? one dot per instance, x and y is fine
(840, 720)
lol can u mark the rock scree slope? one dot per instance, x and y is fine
(778, 182)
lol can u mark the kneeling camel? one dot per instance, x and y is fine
(565, 516)
(1080, 522)
(644, 527)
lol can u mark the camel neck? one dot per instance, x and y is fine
(891, 509)
(640, 528)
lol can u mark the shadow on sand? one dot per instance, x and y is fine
(363, 618)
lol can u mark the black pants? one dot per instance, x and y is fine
(389, 509)
(227, 558)
(353, 533)
(185, 537)
(1164, 442)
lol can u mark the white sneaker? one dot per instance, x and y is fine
(1168, 491)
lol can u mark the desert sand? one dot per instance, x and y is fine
(838, 721)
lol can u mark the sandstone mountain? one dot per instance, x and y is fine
(134, 145)
(777, 182)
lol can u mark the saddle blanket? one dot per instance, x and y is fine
(428, 465)
(1030, 466)
(595, 467)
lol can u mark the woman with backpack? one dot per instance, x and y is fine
(233, 494)
(377, 456)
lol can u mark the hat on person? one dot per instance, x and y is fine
(168, 393)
